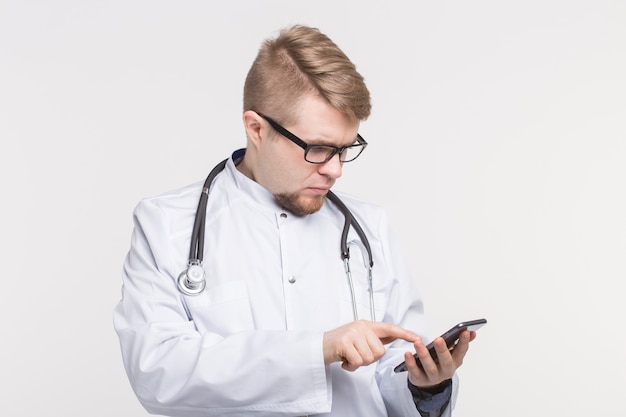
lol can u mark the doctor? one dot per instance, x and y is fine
(277, 328)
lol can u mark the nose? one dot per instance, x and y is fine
(332, 168)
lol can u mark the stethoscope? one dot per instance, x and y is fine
(192, 280)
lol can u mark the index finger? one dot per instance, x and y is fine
(388, 332)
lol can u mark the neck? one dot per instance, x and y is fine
(242, 167)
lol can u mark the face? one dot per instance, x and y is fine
(278, 164)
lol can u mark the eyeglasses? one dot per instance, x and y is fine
(320, 154)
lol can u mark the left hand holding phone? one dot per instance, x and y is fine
(433, 373)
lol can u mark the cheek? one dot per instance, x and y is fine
(278, 174)
(284, 168)
(290, 178)
(287, 177)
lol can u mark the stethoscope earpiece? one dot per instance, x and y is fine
(191, 281)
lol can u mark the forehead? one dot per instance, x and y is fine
(317, 122)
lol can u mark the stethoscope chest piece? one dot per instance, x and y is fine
(191, 281)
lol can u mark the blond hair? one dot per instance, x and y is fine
(300, 60)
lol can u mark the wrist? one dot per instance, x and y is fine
(429, 391)
(434, 389)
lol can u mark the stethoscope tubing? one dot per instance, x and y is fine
(349, 220)
(193, 283)
(196, 249)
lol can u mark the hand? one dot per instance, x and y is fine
(361, 342)
(449, 360)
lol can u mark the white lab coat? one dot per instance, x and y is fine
(251, 343)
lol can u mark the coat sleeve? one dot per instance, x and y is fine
(175, 370)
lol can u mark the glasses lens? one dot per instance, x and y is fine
(318, 154)
(352, 152)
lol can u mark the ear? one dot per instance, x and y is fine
(252, 122)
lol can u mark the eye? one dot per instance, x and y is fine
(320, 153)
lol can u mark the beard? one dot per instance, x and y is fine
(298, 205)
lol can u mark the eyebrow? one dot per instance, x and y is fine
(278, 127)
(330, 143)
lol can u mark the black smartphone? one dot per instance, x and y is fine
(451, 337)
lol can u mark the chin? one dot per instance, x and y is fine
(300, 206)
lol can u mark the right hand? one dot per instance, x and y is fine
(361, 342)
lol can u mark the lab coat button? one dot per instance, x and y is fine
(292, 279)
(283, 215)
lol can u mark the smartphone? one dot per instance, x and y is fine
(451, 337)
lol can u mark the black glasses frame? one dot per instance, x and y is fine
(362, 143)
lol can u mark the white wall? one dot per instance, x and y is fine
(497, 142)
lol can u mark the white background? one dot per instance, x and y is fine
(497, 143)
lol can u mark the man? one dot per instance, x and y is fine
(279, 330)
